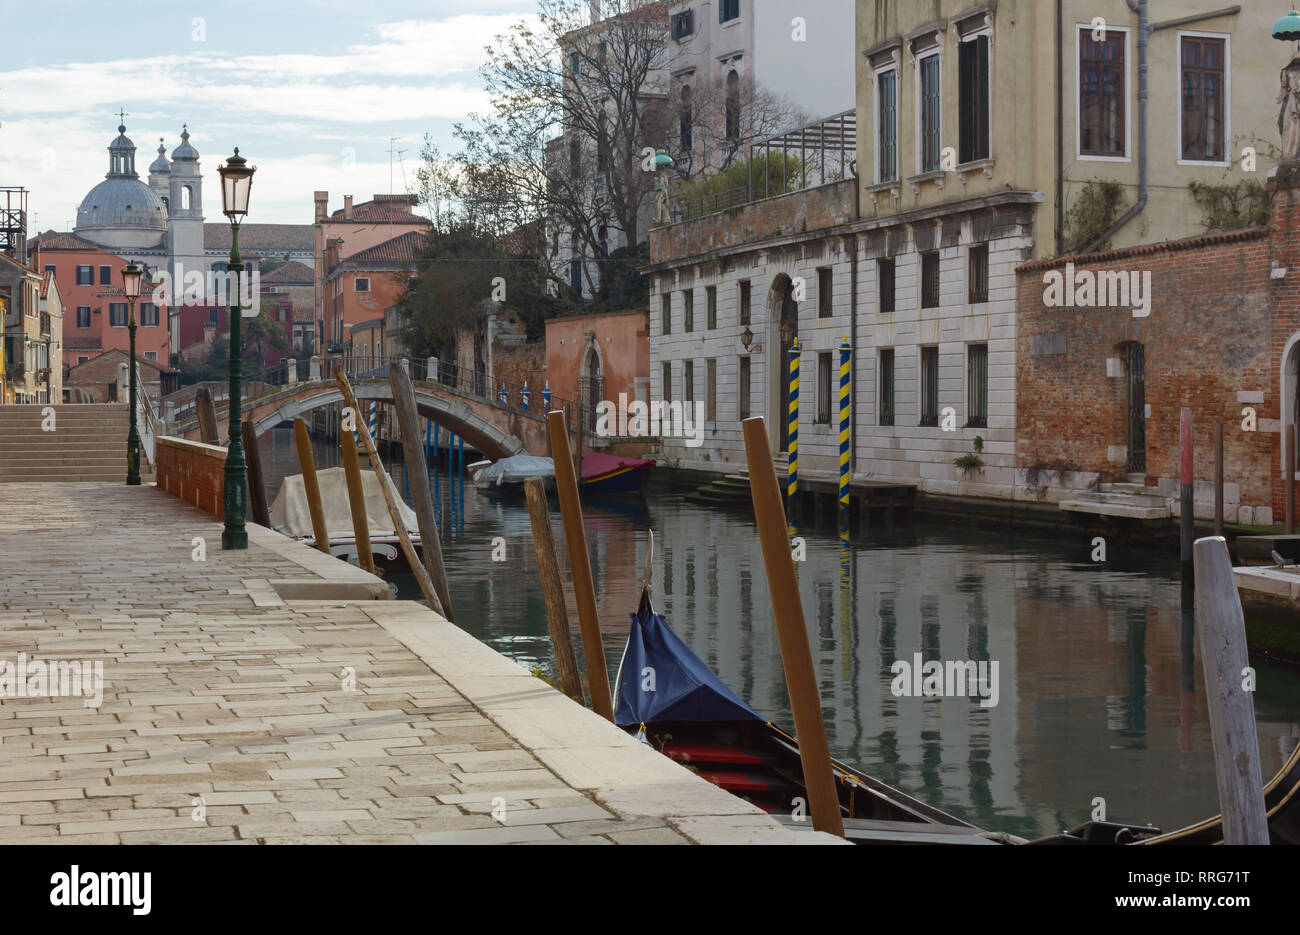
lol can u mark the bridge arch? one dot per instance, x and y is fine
(496, 431)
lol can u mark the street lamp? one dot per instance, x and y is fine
(236, 182)
(131, 278)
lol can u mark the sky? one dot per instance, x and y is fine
(311, 93)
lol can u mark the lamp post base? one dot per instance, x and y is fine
(132, 480)
(234, 539)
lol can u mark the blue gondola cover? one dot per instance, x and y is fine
(685, 689)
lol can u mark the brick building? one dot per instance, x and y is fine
(340, 235)
(97, 313)
(1100, 388)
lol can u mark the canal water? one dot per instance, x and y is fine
(1101, 696)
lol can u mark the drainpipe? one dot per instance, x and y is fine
(1060, 129)
(1145, 29)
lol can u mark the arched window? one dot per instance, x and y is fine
(684, 121)
(187, 194)
(733, 106)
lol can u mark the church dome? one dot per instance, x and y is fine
(122, 202)
(185, 150)
(122, 211)
(160, 165)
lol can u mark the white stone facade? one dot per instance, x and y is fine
(905, 452)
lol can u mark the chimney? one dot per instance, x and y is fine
(322, 200)
(595, 10)
(347, 207)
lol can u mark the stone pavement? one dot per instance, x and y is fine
(232, 715)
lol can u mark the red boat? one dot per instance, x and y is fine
(606, 475)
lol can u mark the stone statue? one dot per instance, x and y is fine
(664, 215)
(663, 162)
(1288, 118)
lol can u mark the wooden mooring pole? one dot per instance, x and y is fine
(307, 461)
(388, 490)
(256, 484)
(1186, 512)
(1222, 631)
(206, 411)
(548, 569)
(796, 656)
(357, 501)
(417, 467)
(584, 589)
(1288, 479)
(1218, 478)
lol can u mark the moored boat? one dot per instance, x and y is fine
(508, 474)
(670, 699)
(611, 476)
(291, 516)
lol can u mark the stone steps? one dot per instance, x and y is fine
(88, 444)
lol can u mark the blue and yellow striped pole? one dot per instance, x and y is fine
(792, 473)
(845, 353)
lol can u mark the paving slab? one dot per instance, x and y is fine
(224, 717)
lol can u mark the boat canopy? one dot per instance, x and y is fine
(290, 514)
(684, 688)
(514, 470)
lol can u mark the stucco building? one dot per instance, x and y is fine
(961, 176)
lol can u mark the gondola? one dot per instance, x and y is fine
(1281, 804)
(670, 699)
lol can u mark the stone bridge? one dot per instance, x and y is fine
(496, 430)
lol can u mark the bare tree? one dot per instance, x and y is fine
(575, 106)
(720, 119)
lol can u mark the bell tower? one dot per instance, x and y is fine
(184, 225)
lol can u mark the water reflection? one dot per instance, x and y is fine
(1100, 691)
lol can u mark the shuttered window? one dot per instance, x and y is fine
(977, 386)
(1203, 98)
(886, 398)
(973, 99)
(929, 386)
(930, 114)
(887, 96)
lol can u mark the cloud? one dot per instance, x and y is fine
(310, 120)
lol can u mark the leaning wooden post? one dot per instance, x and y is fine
(796, 656)
(308, 463)
(386, 488)
(408, 422)
(1186, 512)
(584, 590)
(256, 485)
(357, 501)
(1218, 478)
(1222, 630)
(206, 411)
(1288, 460)
(557, 618)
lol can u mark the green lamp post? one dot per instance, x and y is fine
(236, 182)
(132, 275)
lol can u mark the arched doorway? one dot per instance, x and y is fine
(593, 383)
(1290, 395)
(783, 329)
(1135, 416)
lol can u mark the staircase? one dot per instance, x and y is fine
(1129, 500)
(87, 444)
(732, 488)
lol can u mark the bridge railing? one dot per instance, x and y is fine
(464, 381)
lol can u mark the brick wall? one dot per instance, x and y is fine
(192, 471)
(1207, 344)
